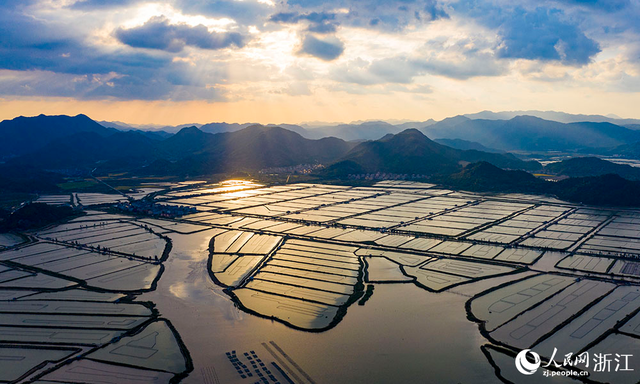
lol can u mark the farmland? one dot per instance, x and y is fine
(527, 272)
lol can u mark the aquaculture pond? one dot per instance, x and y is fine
(395, 283)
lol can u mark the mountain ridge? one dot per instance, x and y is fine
(410, 151)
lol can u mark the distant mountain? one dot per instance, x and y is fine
(370, 130)
(156, 134)
(295, 128)
(188, 141)
(120, 126)
(605, 190)
(415, 124)
(232, 127)
(411, 152)
(258, 147)
(465, 145)
(23, 135)
(610, 190)
(223, 127)
(530, 133)
(254, 148)
(592, 166)
(628, 151)
(63, 142)
(87, 149)
(190, 151)
(554, 116)
(486, 177)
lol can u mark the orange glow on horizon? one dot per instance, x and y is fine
(325, 107)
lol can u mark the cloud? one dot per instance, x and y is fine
(90, 5)
(294, 17)
(157, 33)
(435, 10)
(394, 70)
(476, 66)
(460, 58)
(327, 49)
(372, 14)
(298, 88)
(319, 22)
(546, 34)
(397, 70)
(454, 58)
(47, 49)
(244, 12)
(39, 58)
(542, 34)
(16, 4)
(605, 5)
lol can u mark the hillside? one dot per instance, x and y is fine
(629, 151)
(233, 127)
(533, 134)
(592, 166)
(79, 142)
(23, 135)
(222, 127)
(412, 152)
(257, 147)
(87, 149)
(605, 190)
(465, 145)
(186, 142)
(486, 177)
(36, 215)
(610, 190)
(192, 151)
(28, 179)
(415, 124)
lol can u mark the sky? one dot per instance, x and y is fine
(269, 61)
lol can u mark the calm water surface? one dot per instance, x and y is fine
(403, 334)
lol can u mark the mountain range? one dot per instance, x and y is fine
(22, 135)
(560, 117)
(39, 150)
(189, 151)
(375, 129)
(410, 151)
(608, 189)
(591, 166)
(528, 133)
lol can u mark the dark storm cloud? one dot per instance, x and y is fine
(325, 49)
(157, 33)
